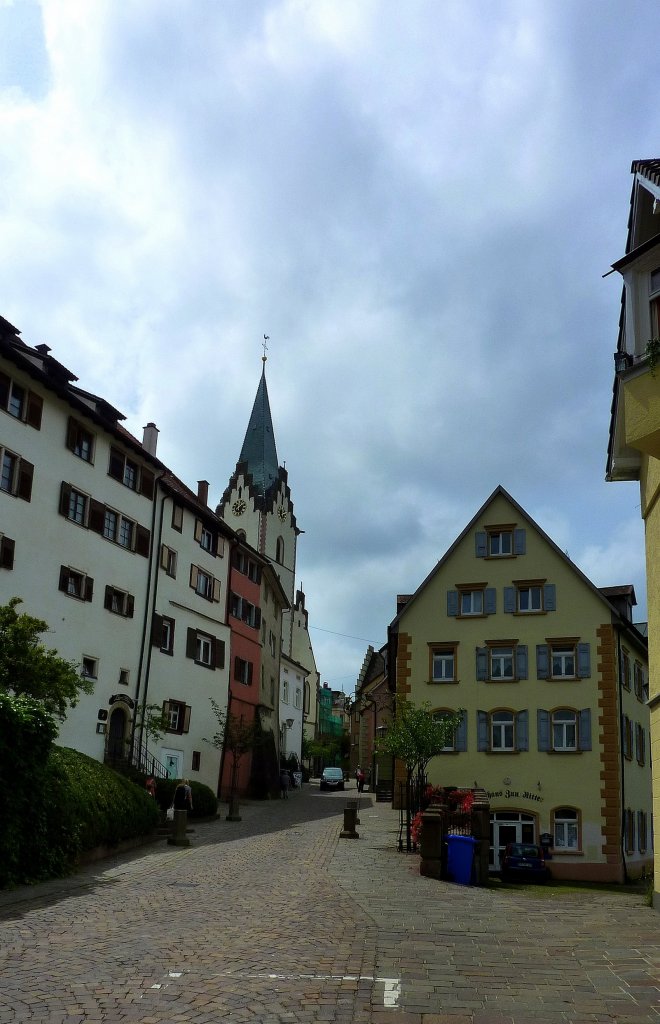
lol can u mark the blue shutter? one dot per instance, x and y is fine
(583, 661)
(519, 542)
(542, 661)
(543, 729)
(482, 663)
(522, 730)
(521, 661)
(490, 604)
(584, 730)
(452, 602)
(509, 600)
(550, 597)
(460, 740)
(481, 545)
(482, 730)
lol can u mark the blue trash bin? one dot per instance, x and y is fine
(460, 858)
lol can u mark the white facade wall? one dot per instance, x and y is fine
(292, 689)
(45, 540)
(173, 674)
(118, 646)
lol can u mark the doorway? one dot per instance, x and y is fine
(116, 734)
(509, 827)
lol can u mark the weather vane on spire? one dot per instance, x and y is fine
(265, 346)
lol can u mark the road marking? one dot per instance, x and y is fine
(391, 993)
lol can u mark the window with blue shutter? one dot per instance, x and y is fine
(549, 597)
(522, 730)
(584, 729)
(481, 544)
(482, 730)
(542, 661)
(583, 661)
(509, 600)
(543, 729)
(521, 661)
(452, 602)
(482, 663)
(519, 542)
(460, 742)
(490, 602)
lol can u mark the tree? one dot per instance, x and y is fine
(237, 737)
(29, 669)
(415, 737)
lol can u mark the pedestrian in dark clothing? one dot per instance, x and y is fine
(285, 782)
(183, 797)
(360, 779)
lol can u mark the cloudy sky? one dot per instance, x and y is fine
(415, 199)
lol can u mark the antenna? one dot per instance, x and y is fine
(265, 346)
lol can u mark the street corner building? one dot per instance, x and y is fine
(634, 439)
(551, 676)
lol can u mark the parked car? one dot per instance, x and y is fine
(332, 778)
(524, 861)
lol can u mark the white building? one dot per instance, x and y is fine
(126, 564)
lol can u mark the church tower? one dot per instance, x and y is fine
(257, 501)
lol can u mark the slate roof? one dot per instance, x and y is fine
(259, 452)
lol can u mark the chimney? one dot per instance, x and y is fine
(203, 491)
(150, 438)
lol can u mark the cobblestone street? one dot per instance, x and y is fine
(277, 919)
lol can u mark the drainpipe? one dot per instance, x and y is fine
(232, 544)
(148, 612)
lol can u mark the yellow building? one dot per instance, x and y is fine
(550, 674)
(634, 444)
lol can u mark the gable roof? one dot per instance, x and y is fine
(500, 491)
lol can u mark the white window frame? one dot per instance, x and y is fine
(501, 726)
(499, 656)
(444, 658)
(470, 602)
(561, 727)
(567, 656)
(8, 471)
(110, 524)
(203, 650)
(17, 411)
(566, 827)
(204, 584)
(167, 636)
(89, 667)
(532, 591)
(126, 533)
(497, 548)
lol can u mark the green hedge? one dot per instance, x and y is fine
(205, 802)
(71, 804)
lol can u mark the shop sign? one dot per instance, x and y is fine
(514, 794)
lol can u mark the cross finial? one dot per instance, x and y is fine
(265, 346)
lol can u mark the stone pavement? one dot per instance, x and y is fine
(276, 919)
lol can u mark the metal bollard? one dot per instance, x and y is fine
(348, 831)
(178, 836)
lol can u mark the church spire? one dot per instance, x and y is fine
(259, 451)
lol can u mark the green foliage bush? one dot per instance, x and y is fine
(71, 805)
(205, 802)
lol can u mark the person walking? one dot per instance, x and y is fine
(360, 779)
(285, 782)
